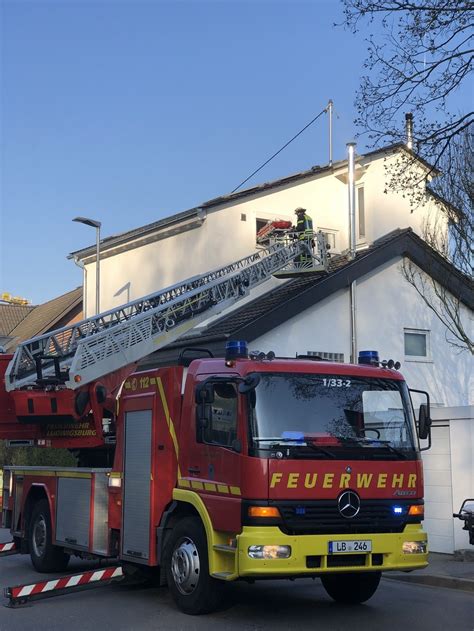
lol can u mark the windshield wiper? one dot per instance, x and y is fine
(384, 444)
(293, 444)
(319, 449)
(387, 445)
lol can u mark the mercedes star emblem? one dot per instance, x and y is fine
(348, 504)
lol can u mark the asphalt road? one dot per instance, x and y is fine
(298, 605)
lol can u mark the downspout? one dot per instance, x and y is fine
(80, 264)
(352, 247)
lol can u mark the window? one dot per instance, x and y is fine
(361, 212)
(372, 410)
(417, 344)
(222, 414)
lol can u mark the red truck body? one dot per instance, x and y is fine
(244, 496)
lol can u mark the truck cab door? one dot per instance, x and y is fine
(215, 455)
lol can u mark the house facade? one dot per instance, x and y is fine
(222, 230)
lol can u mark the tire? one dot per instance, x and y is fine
(44, 556)
(187, 569)
(351, 588)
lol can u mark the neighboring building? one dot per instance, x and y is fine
(10, 316)
(312, 313)
(36, 320)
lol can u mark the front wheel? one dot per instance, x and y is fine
(44, 555)
(187, 569)
(351, 588)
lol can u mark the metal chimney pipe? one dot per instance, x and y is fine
(351, 195)
(352, 246)
(409, 129)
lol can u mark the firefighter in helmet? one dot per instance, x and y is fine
(304, 231)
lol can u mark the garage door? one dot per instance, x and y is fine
(438, 491)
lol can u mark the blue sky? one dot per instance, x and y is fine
(131, 111)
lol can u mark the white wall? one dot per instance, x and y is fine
(224, 237)
(438, 496)
(461, 429)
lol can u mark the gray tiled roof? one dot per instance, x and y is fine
(47, 316)
(11, 315)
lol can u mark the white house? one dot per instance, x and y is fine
(141, 261)
(313, 313)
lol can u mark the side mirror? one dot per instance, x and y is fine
(424, 418)
(424, 421)
(203, 421)
(250, 383)
(205, 393)
(236, 446)
(467, 507)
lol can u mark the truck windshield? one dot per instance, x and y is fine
(331, 411)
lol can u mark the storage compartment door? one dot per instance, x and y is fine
(73, 511)
(136, 493)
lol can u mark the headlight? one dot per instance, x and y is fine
(414, 547)
(269, 552)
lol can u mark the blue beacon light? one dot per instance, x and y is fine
(235, 349)
(370, 358)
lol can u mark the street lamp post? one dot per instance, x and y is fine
(94, 224)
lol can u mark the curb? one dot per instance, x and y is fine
(452, 582)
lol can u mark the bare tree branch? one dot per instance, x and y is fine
(420, 59)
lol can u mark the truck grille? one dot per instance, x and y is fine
(323, 517)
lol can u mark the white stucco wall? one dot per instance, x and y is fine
(225, 237)
(461, 429)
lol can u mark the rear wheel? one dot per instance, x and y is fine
(187, 569)
(44, 555)
(351, 588)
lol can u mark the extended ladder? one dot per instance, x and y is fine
(83, 352)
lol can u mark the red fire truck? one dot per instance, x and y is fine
(217, 469)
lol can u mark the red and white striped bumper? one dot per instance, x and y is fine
(93, 578)
(8, 548)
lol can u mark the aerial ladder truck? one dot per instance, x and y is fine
(216, 469)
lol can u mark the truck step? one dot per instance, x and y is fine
(224, 548)
(223, 576)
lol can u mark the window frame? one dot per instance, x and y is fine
(418, 358)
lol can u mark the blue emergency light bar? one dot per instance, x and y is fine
(370, 358)
(235, 349)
